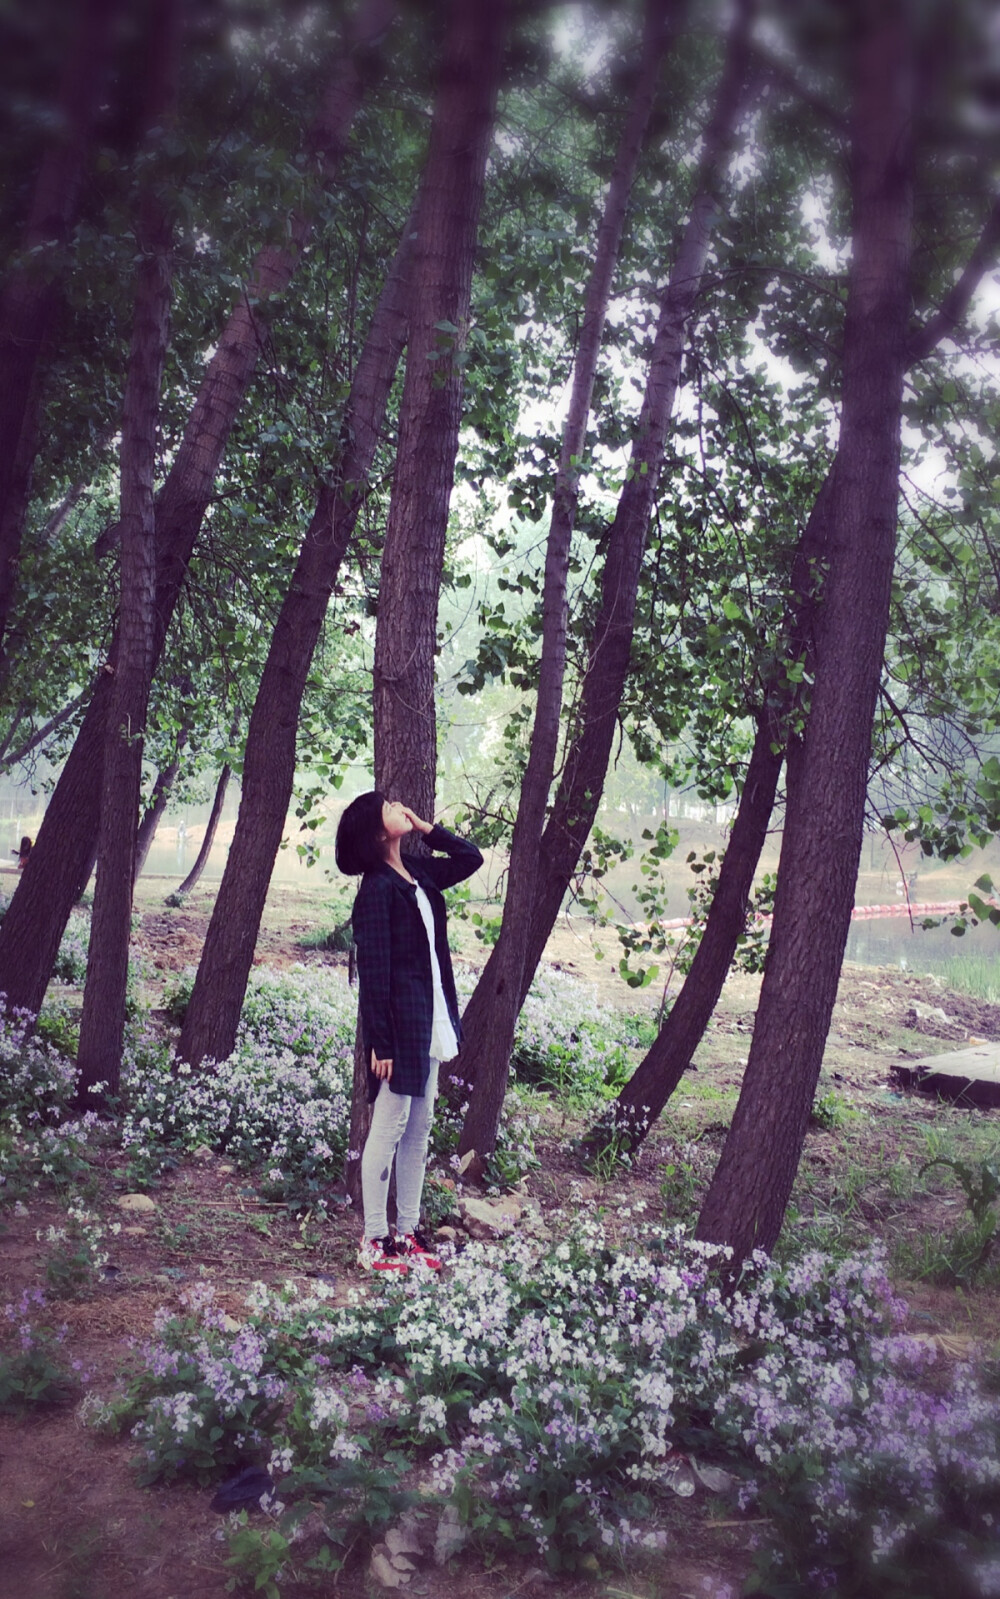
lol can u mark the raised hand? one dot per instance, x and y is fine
(421, 827)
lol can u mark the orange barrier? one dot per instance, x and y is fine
(860, 912)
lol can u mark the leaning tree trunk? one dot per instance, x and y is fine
(507, 964)
(31, 294)
(159, 799)
(53, 880)
(579, 792)
(430, 409)
(212, 827)
(213, 1014)
(152, 816)
(102, 1024)
(668, 1058)
(828, 767)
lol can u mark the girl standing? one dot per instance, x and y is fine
(409, 1011)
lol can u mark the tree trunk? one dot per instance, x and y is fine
(661, 1069)
(658, 1074)
(361, 1116)
(102, 1024)
(210, 832)
(579, 792)
(430, 410)
(213, 1014)
(159, 799)
(52, 882)
(507, 962)
(31, 294)
(828, 767)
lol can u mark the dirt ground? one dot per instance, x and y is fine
(73, 1523)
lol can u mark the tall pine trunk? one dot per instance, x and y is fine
(585, 768)
(828, 766)
(430, 409)
(52, 882)
(212, 1017)
(507, 962)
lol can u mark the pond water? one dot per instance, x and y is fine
(890, 941)
(174, 859)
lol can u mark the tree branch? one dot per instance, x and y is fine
(949, 315)
(50, 726)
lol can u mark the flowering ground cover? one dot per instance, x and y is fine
(596, 1415)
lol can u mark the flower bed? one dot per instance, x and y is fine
(280, 1104)
(557, 1401)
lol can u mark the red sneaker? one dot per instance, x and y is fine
(415, 1247)
(382, 1254)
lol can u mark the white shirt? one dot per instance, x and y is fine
(444, 1044)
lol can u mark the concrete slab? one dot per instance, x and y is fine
(971, 1075)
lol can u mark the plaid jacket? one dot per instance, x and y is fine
(394, 963)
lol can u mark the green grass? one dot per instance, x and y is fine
(975, 974)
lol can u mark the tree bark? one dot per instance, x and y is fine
(159, 799)
(31, 294)
(668, 1058)
(579, 791)
(430, 410)
(52, 882)
(507, 962)
(102, 1023)
(53, 725)
(828, 766)
(210, 832)
(643, 1097)
(213, 1013)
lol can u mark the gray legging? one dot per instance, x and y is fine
(400, 1126)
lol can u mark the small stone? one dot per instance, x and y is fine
(141, 1204)
(465, 1161)
(533, 1222)
(229, 1324)
(489, 1218)
(403, 1540)
(676, 1473)
(202, 1153)
(383, 1572)
(450, 1536)
(713, 1478)
(135, 1232)
(226, 1171)
(401, 1563)
(446, 1234)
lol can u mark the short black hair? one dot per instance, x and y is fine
(360, 845)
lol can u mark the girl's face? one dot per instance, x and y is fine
(395, 821)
